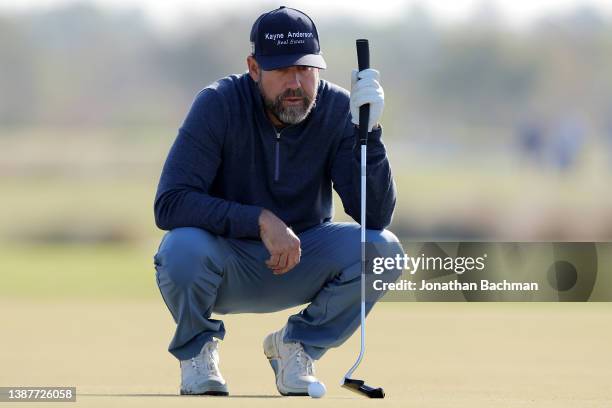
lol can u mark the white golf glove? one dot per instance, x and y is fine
(365, 88)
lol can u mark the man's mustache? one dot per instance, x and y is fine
(293, 93)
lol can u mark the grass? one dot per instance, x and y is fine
(125, 271)
(424, 355)
(78, 271)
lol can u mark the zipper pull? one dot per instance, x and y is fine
(276, 158)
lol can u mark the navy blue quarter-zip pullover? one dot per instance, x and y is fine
(228, 162)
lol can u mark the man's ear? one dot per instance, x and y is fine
(254, 70)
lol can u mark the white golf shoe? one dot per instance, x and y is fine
(200, 375)
(293, 367)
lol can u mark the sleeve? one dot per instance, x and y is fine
(183, 198)
(346, 178)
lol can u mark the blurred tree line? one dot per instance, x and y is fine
(493, 132)
(83, 66)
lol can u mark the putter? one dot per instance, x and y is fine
(355, 385)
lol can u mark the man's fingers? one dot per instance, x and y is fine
(293, 259)
(369, 73)
(273, 261)
(282, 261)
(354, 77)
(283, 266)
(364, 84)
(280, 271)
(277, 261)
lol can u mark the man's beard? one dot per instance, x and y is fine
(290, 115)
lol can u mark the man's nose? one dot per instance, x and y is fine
(294, 80)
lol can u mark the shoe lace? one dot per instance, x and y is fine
(303, 361)
(208, 357)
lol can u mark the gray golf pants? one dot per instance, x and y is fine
(199, 273)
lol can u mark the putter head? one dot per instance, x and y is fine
(361, 388)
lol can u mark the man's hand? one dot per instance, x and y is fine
(281, 242)
(365, 89)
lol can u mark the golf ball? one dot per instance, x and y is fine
(316, 389)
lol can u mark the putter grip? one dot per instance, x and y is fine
(363, 62)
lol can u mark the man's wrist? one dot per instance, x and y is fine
(263, 219)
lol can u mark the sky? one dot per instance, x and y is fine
(166, 12)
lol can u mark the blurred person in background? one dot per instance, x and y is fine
(531, 141)
(567, 142)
